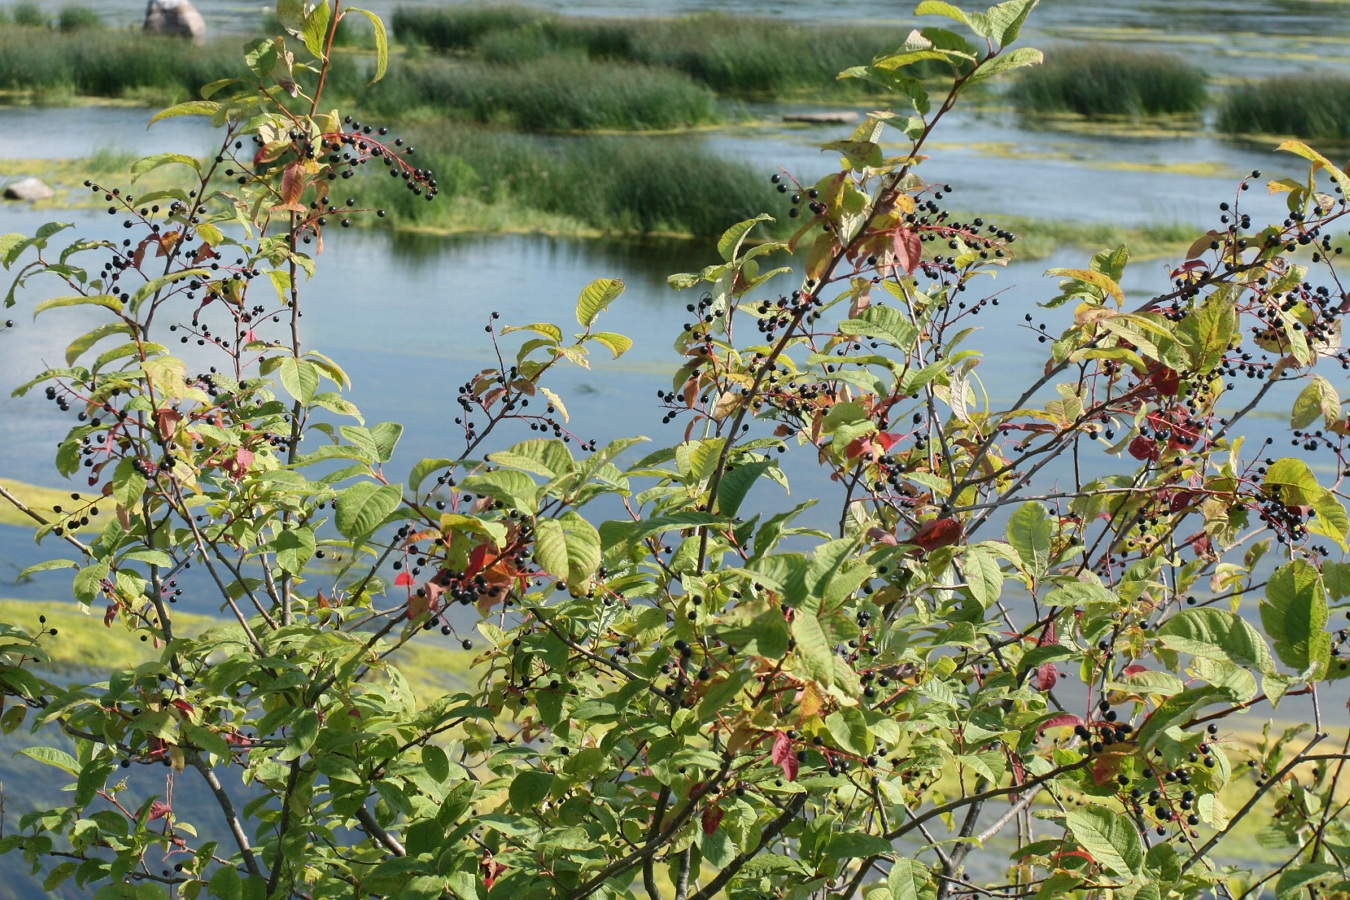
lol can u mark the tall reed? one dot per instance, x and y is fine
(555, 93)
(613, 184)
(1305, 106)
(730, 54)
(1110, 81)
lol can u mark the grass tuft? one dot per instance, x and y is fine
(29, 15)
(107, 63)
(78, 18)
(1305, 106)
(1105, 81)
(556, 93)
(609, 184)
(746, 57)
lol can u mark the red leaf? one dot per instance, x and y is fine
(784, 756)
(1144, 448)
(405, 579)
(1045, 677)
(491, 869)
(712, 816)
(159, 810)
(937, 533)
(908, 249)
(1059, 721)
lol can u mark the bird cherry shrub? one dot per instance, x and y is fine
(1008, 649)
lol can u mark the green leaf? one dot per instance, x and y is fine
(385, 436)
(546, 457)
(304, 731)
(425, 468)
(53, 757)
(1112, 839)
(190, 108)
(82, 343)
(88, 582)
(294, 549)
(884, 323)
(1103, 282)
(1331, 520)
(1319, 161)
(315, 32)
(364, 506)
(1206, 333)
(128, 484)
(1295, 482)
(1293, 882)
(515, 489)
(299, 377)
(1318, 400)
(547, 329)
(729, 244)
(736, 483)
(984, 577)
(849, 730)
(1216, 634)
(149, 163)
(1007, 19)
(618, 344)
(381, 42)
(856, 845)
(104, 300)
(436, 763)
(907, 877)
(595, 297)
(528, 790)
(1006, 62)
(46, 566)
(1294, 613)
(1030, 533)
(568, 548)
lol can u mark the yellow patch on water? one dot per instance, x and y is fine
(40, 500)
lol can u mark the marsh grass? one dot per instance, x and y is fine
(1105, 81)
(28, 15)
(78, 18)
(555, 93)
(734, 55)
(108, 63)
(1304, 106)
(607, 184)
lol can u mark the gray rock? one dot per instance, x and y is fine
(176, 18)
(842, 117)
(29, 189)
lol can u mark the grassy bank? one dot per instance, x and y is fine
(432, 664)
(557, 93)
(1108, 81)
(41, 500)
(610, 184)
(1314, 107)
(732, 55)
(49, 67)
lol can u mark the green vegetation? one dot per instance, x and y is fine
(41, 500)
(556, 93)
(78, 18)
(1314, 105)
(107, 63)
(1101, 80)
(610, 184)
(29, 15)
(732, 55)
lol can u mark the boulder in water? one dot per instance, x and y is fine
(176, 18)
(29, 189)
